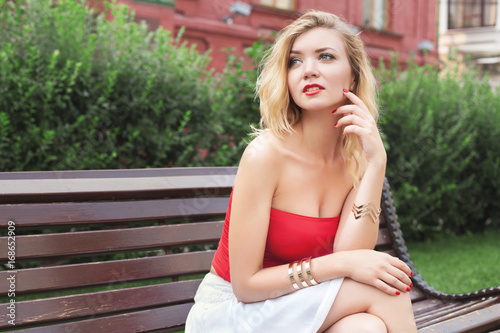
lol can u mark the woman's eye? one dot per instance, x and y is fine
(326, 56)
(293, 62)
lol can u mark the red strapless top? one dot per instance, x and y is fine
(290, 237)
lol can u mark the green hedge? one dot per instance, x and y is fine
(235, 105)
(82, 92)
(442, 134)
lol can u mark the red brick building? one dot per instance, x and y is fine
(403, 26)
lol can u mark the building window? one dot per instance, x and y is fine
(152, 23)
(376, 14)
(471, 13)
(281, 4)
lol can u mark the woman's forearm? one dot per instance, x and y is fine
(362, 233)
(275, 281)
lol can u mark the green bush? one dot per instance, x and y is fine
(235, 106)
(442, 134)
(82, 92)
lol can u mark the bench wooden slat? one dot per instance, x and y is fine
(382, 221)
(120, 173)
(479, 320)
(108, 212)
(141, 321)
(383, 239)
(391, 252)
(421, 307)
(416, 294)
(454, 310)
(94, 186)
(109, 272)
(51, 190)
(89, 242)
(98, 303)
(443, 308)
(423, 318)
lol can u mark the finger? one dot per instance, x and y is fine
(398, 279)
(403, 273)
(355, 99)
(399, 269)
(386, 288)
(396, 262)
(393, 282)
(356, 130)
(359, 128)
(352, 109)
(352, 120)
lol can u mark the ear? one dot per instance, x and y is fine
(353, 85)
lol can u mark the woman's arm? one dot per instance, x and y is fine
(361, 233)
(253, 192)
(356, 238)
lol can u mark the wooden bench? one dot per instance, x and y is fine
(124, 251)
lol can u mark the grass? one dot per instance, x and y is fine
(459, 264)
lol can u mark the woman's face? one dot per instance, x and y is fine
(318, 70)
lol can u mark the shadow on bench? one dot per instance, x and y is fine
(124, 251)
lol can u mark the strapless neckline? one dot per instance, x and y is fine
(305, 217)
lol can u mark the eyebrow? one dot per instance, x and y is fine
(323, 49)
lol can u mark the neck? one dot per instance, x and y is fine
(318, 135)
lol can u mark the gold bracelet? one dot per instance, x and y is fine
(368, 209)
(299, 274)
(290, 274)
(308, 272)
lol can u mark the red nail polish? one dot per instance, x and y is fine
(397, 293)
(345, 90)
(408, 289)
(411, 285)
(411, 274)
(334, 111)
(336, 124)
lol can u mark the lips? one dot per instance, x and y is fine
(312, 89)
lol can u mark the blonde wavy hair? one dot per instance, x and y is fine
(278, 110)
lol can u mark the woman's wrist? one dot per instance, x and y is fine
(379, 161)
(330, 267)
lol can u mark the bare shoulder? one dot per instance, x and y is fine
(263, 149)
(262, 159)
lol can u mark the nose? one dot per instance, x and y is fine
(310, 69)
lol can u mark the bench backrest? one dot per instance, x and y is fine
(118, 249)
(157, 226)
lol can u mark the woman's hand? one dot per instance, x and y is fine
(357, 119)
(380, 270)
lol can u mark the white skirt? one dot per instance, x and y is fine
(216, 309)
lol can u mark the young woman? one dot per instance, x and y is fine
(296, 253)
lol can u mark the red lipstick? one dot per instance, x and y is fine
(312, 89)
